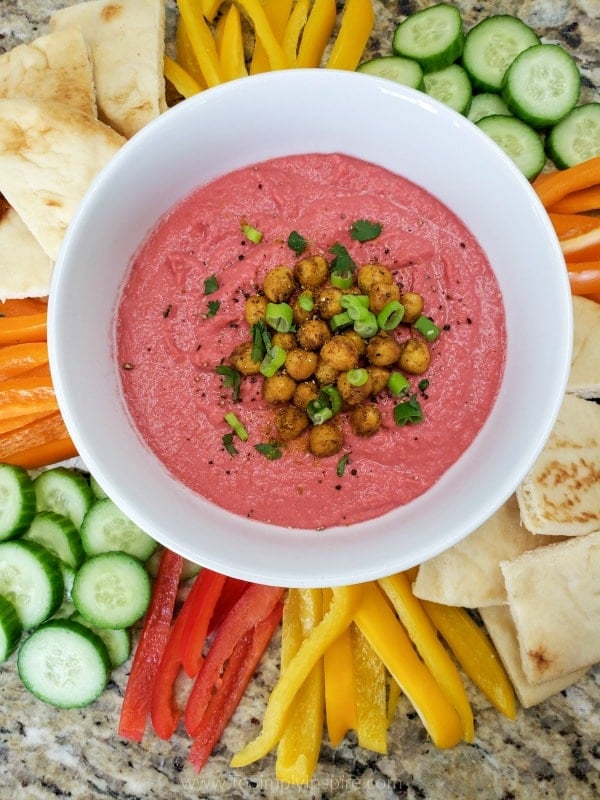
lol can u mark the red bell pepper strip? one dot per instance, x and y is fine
(240, 669)
(192, 621)
(232, 590)
(254, 605)
(149, 651)
(206, 590)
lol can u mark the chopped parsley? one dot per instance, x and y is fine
(364, 231)
(261, 341)
(342, 464)
(408, 412)
(342, 263)
(297, 243)
(211, 284)
(423, 385)
(270, 451)
(213, 307)
(227, 440)
(232, 379)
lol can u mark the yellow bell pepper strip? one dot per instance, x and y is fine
(394, 695)
(345, 603)
(185, 55)
(340, 684)
(475, 653)
(264, 32)
(201, 41)
(299, 746)
(278, 13)
(293, 31)
(390, 641)
(181, 80)
(355, 28)
(316, 34)
(371, 709)
(424, 636)
(231, 45)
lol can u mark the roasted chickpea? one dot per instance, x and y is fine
(304, 393)
(311, 271)
(279, 284)
(279, 388)
(365, 419)
(353, 395)
(379, 378)
(370, 274)
(328, 302)
(300, 364)
(357, 340)
(300, 314)
(383, 350)
(313, 334)
(256, 308)
(286, 340)
(325, 440)
(325, 374)
(380, 294)
(290, 422)
(414, 357)
(340, 353)
(413, 306)
(241, 359)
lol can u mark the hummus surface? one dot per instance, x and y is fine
(169, 342)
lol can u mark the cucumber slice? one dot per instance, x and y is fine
(65, 664)
(30, 578)
(575, 138)
(451, 86)
(58, 535)
(487, 104)
(188, 570)
(518, 140)
(98, 491)
(10, 629)
(68, 574)
(406, 71)
(542, 85)
(492, 45)
(17, 501)
(433, 36)
(64, 491)
(105, 527)
(117, 640)
(111, 590)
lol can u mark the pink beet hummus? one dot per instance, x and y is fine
(169, 340)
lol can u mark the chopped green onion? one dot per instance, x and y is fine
(427, 327)
(261, 341)
(363, 231)
(269, 451)
(251, 233)
(331, 396)
(272, 361)
(409, 412)
(318, 412)
(397, 383)
(232, 379)
(296, 242)
(390, 315)
(236, 425)
(341, 280)
(211, 284)
(339, 321)
(367, 326)
(357, 305)
(342, 464)
(228, 444)
(357, 377)
(280, 316)
(306, 302)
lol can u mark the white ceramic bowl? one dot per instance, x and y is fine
(302, 111)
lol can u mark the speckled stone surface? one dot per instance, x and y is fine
(551, 751)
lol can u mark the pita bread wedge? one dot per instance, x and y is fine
(501, 628)
(554, 600)
(468, 574)
(53, 67)
(584, 377)
(49, 154)
(561, 493)
(25, 270)
(126, 40)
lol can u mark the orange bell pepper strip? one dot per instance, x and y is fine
(586, 282)
(18, 358)
(390, 641)
(340, 683)
(27, 395)
(300, 744)
(185, 55)
(42, 455)
(46, 428)
(181, 80)
(582, 247)
(264, 33)
(293, 31)
(555, 186)
(25, 328)
(355, 28)
(568, 225)
(278, 13)
(22, 307)
(371, 703)
(316, 34)
(201, 41)
(577, 202)
(424, 637)
(12, 423)
(231, 46)
(475, 653)
(344, 605)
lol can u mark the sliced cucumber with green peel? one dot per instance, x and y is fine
(17, 501)
(64, 491)
(487, 104)
(65, 664)
(98, 491)
(542, 85)
(105, 527)
(518, 140)
(31, 580)
(451, 86)
(492, 45)
(117, 640)
(405, 71)
(576, 137)
(433, 36)
(58, 535)
(111, 590)
(11, 629)
(188, 570)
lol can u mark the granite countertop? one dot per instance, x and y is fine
(549, 751)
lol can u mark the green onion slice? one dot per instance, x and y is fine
(427, 327)
(357, 305)
(272, 361)
(397, 383)
(306, 302)
(279, 316)
(341, 280)
(333, 399)
(409, 412)
(236, 425)
(318, 411)
(339, 321)
(390, 315)
(251, 233)
(367, 326)
(357, 377)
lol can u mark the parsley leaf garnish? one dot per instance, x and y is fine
(363, 231)
(296, 242)
(269, 451)
(211, 284)
(227, 440)
(342, 464)
(231, 380)
(213, 307)
(342, 262)
(261, 341)
(409, 412)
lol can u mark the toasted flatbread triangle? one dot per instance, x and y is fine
(126, 41)
(584, 377)
(49, 155)
(25, 270)
(561, 493)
